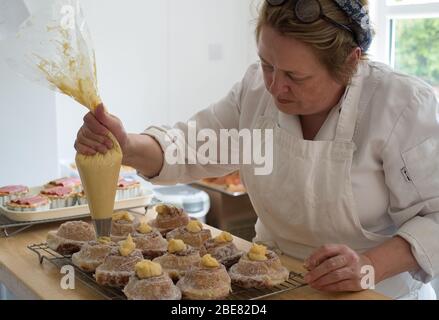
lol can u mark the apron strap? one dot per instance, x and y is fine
(349, 111)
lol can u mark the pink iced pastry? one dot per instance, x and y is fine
(65, 182)
(127, 183)
(13, 190)
(57, 191)
(30, 201)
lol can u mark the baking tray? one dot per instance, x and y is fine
(75, 211)
(44, 253)
(9, 228)
(217, 187)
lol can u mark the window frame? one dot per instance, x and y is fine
(382, 14)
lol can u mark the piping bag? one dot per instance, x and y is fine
(52, 46)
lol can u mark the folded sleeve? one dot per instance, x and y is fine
(411, 166)
(192, 149)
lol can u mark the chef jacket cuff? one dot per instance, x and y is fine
(169, 173)
(418, 232)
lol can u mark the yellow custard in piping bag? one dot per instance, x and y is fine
(99, 176)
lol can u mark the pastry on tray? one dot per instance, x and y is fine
(231, 183)
(179, 259)
(119, 265)
(92, 254)
(74, 183)
(29, 204)
(82, 198)
(9, 193)
(149, 241)
(127, 189)
(259, 268)
(236, 188)
(60, 197)
(169, 218)
(70, 237)
(123, 224)
(208, 280)
(150, 283)
(193, 234)
(223, 249)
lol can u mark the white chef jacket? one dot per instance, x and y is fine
(395, 170)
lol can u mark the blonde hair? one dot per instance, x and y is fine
(331, 45)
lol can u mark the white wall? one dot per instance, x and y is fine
(153, 60)
(209, 41)
(378, 50)
(28, 153)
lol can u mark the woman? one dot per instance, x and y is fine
(355, 180)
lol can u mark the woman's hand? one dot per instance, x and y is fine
(93, 135)
(336, 268)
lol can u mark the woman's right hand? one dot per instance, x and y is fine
(93, 135)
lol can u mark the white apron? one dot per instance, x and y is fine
(308, 200)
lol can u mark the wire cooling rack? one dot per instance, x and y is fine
(295, 281)
(44, 253)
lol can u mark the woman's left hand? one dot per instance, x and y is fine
(336, 268)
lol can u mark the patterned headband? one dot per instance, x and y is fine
(359, 15)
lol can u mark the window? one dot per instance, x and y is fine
(408, 37)
(402, 2)
(415, 43)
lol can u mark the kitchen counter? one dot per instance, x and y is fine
(22, 274)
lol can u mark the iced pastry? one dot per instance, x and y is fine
(60, 197)
(74, 183)
(150, 283)
(29, 204)
(9, 193)
(259, 268)
(92, 254)
(81, 198)
(179, 258)
(149, 241)
(169, 218)
(127, 189)
(119, 265)
(123, 223)
(70, 237)
(208, 280)
(223, 249)
(192, 234)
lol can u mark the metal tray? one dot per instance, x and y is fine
(44, 253)
(73, 211)
(12, 222)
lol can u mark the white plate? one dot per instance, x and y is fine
(71, 212)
